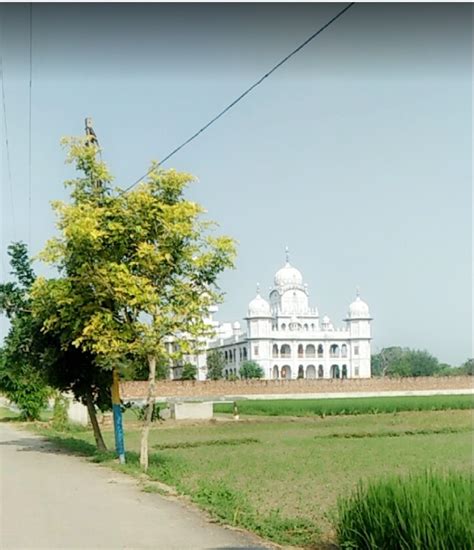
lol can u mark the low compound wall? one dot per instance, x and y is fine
(176, 390)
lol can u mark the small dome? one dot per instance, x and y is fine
(288, 275)
(259, 307)
(236, 325)
(359, 309)
(326, 320)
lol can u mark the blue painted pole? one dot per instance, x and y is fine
(117, 412)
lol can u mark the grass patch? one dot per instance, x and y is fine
(418, 512)
(208, 443)
(348, 406)
(231, 507)
(399, 433)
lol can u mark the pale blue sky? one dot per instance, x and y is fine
(356, 154)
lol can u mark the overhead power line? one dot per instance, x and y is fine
(7, 147)
(243, 94)
(29, 126)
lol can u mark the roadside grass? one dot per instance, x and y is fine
(347, 406)
(6, 415)
(281, 478)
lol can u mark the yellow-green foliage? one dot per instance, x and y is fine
(136, 267)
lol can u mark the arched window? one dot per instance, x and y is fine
(283, 326)
(320, 371)
(275, 350)
(226, 374)
(275, 372)
(306, 327)
(310, 351)
(285, 351)
(343, 350)
(230, 356)
(344, 371)
(286, 372)
(334, 351)
(335, 371)
(235, 355)
(301, 371)
(226, 357)
(245, 353)
(311, 371)
(300, 351)
(312, 326)
(320, 350)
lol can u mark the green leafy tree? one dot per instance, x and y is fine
(251, 369)
(215, 365)
(189, 372)
(20, 379)
(396, 361)
(136, 268)
(33, 362)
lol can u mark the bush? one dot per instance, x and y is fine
(60, 417)
(250, 369)
(422, 511)
(189, 372)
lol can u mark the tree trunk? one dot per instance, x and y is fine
(150, 403)
(99, 440)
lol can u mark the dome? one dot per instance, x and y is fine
(236, 325)
(288, 275)
(259, 307)
(359, 309)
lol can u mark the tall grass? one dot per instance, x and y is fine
(350, 405)
(424, 511)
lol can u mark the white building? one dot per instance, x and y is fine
(287, 338)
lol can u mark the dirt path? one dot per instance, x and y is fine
(51, 500)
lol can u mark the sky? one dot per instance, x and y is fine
(356, 154)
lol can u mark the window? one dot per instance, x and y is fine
(285, 351)
(344, 350)
(275, 350)
(300, 350)
(283, 326)
(356, 371)
(301, 371)
(356, 350)
(320, 371)
(310, 351)
(320, 350)
(255, 350)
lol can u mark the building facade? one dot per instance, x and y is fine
(287, 338)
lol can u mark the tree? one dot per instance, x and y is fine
(137, 268)
(215, 365)
(396, 361)
(32, 363)
(20, 379)
(251, 369)
(189, 372)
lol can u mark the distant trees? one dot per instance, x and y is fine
(215, 365)
(398, 361)
(189, 372)
(251, 369)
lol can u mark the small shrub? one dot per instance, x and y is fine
(424, 511)
(60, 421)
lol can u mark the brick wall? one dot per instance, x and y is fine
(211, 388)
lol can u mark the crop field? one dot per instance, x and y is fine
(348, 406)
(282, 477)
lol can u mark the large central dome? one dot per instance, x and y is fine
(288, 275)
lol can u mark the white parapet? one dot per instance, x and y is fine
(191, 411)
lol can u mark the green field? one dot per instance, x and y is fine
(281, 477)
(347, 406)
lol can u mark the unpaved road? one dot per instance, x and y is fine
(51, 500)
